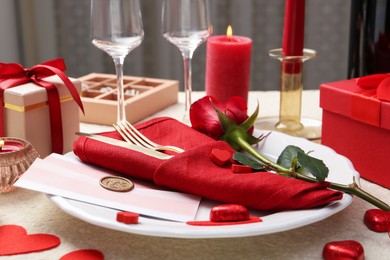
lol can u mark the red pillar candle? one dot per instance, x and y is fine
(228, 62)
(293, 35)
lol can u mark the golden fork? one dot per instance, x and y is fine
(133, 136)
(137, 148)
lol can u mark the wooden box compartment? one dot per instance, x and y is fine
(143, 97)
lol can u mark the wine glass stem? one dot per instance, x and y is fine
(187, 81)
(121, 114)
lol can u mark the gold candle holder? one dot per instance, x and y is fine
(16, 156)
(289, 120)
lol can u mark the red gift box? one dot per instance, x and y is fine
(356, 124)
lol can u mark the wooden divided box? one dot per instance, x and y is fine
(143, 97)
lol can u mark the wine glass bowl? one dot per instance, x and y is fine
(121, 47)
(117, 29)
(187, 41)
(186, 24)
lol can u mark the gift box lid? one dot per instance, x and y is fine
(348, 99)
(29, 94)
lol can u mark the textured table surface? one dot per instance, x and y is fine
(38, 214)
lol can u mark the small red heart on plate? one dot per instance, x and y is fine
(347, 249)
(15, 240)
(84, 254)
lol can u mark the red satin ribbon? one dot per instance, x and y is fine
(12, 75)
(379, 82)
(366, 104)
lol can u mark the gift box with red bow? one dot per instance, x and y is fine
(40, 104)
(356, 123)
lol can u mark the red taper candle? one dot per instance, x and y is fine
(293, 35)
(293, 31)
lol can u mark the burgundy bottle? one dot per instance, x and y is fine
(369, 44)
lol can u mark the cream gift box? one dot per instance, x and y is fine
(26, 114)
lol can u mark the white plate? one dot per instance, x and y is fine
(341, 171)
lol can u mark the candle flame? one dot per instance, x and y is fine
(1, 144)
(229, 31)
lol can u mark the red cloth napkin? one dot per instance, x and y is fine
(194, 172)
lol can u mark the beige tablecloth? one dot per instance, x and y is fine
(38, 214)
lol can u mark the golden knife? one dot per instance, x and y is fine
(129, 146)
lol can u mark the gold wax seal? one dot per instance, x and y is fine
(115, 183)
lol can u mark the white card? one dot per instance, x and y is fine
(70, 178)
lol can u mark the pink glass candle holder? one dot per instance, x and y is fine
(16, 156)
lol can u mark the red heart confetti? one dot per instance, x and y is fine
(127, 217)
(377, 220)
(347, 249)
(239, 168)
(15, 240)
(84, 254)
(220, 157)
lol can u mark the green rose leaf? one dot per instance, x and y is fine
(295, 159)
(287, 158)
(246, 160)
(313, 165)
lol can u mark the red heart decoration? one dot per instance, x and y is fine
(377, 220)
(252, 219)
(15, 240)
(84, 254)
(339, 250)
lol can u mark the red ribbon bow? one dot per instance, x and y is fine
(12, 75)
(380, 82)
(366, 103)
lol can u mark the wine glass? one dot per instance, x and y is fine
(186, 24)
(116, 28)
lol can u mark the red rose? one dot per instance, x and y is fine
(204, 118)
